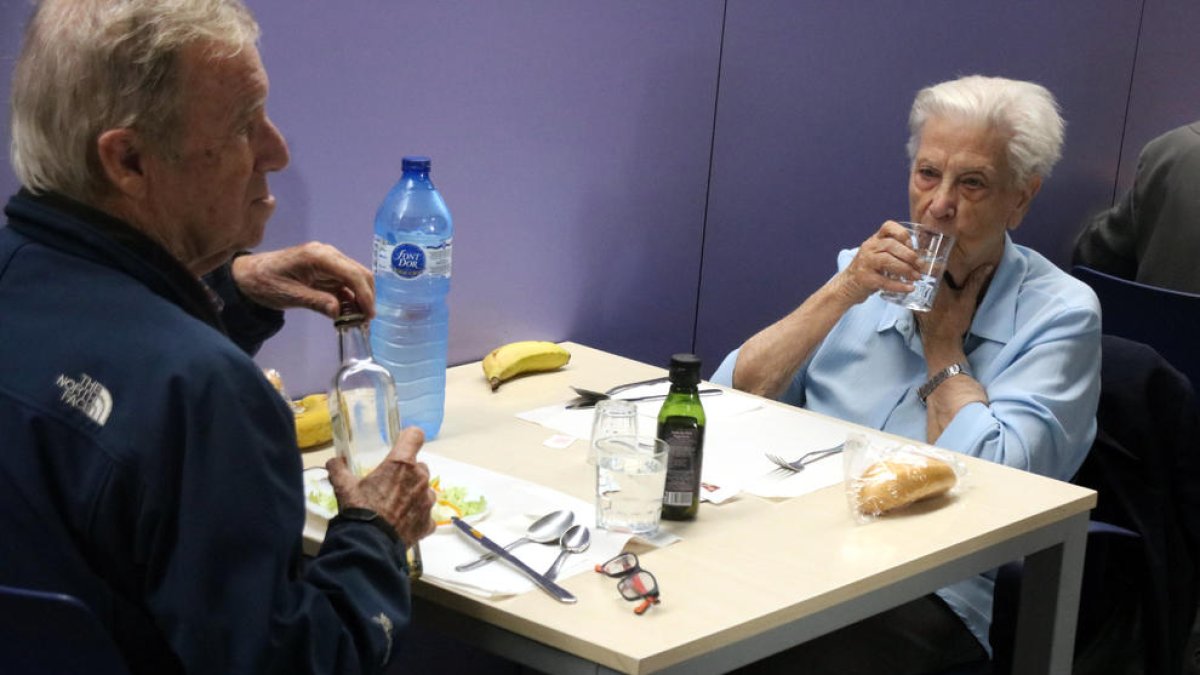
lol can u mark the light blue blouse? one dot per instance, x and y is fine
(1034, 345)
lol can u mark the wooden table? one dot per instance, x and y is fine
(752, 576)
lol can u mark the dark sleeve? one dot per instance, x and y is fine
(248, 323)
(225, 570)
(1109, 242)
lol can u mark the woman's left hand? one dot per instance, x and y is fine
(953, 310)
(943, 330)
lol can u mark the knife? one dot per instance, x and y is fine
(581, 403)
(561, 594)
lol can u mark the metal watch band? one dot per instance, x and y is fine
(939, 377)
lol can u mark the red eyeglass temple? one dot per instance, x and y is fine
(646, 602)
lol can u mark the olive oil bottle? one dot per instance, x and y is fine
(681, 425)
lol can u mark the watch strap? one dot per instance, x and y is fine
(361, 515)
(941, 376)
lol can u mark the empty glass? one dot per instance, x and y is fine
(613, 417)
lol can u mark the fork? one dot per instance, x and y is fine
(796, 466)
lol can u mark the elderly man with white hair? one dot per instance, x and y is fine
(1006, 366)
(148, 467)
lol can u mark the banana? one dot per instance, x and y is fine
(517, 358)
(313, 426)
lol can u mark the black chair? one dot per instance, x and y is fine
(1167, 320)
(1141, 578)
(53, 634)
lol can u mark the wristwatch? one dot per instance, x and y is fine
(939, 377)
(368, 516)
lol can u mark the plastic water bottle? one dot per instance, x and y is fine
(413, 239)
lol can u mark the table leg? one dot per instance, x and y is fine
(1049, 604)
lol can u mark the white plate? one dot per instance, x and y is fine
(322, 506)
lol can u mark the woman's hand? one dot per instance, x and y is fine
(884, 262)
(947, 323)
(943, 330)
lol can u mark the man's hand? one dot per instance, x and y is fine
(309, 275)
(887, 251)
(398, 489)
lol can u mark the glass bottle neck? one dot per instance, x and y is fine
(682, 388)
(353, 344)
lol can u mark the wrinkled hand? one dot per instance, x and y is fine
(398, 489)
(887, 250)
(310, 275)
(954, 309)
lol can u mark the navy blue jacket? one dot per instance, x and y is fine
(148, 468)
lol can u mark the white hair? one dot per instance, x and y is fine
(88, 66)
(1026, 112)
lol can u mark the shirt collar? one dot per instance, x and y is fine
(996, 317)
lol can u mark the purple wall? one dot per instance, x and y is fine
(1166, 85)
(812, 121)
(12, 19)
(572, 142)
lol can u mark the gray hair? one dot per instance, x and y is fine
(1027, 112)
(88, 66)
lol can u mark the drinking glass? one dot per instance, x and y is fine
(630, 476)
(613, 417)
(933, 250)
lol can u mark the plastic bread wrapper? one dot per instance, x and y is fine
(883, 476)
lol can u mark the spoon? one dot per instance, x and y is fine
(574, 540)
(544, 530)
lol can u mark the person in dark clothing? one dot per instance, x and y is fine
(1153, 234)
(148, 468)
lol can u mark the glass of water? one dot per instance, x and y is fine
(630, 476)
(933, 250)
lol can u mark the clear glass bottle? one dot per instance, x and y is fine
(681, 425)
(362, 404)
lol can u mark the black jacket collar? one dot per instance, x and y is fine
(78, 229)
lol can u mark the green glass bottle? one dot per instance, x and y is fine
(681, 426)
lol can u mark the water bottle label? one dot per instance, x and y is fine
(409, 261)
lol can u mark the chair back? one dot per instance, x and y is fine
(1165, 319)
(53, 634)
(1145, 465)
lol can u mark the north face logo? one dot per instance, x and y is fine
(87, 395)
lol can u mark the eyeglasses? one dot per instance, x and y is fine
(635, 583)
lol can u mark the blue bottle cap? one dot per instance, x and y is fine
(415, 163)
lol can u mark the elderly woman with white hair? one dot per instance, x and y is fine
(1006, 366)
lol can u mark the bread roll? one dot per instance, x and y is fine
(901, 480)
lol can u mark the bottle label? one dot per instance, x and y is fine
(411, 261)
(682, 465)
